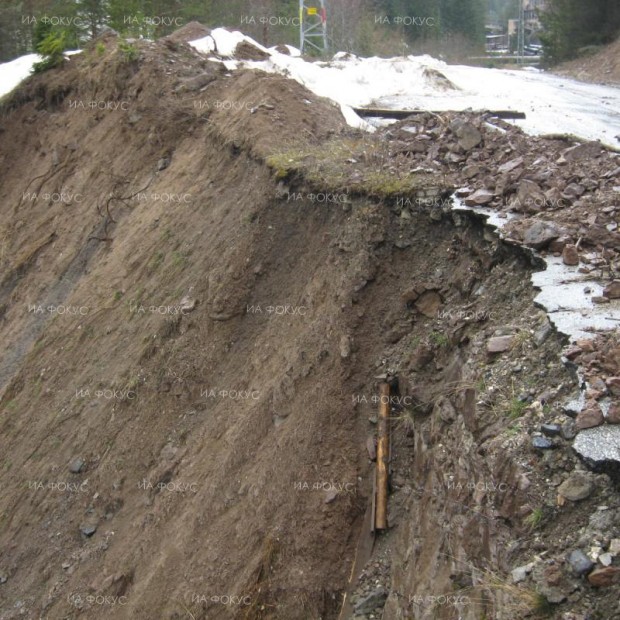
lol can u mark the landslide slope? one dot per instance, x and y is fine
(158, 195)
(204, 276)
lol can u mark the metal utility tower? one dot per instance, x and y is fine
(521, 33)
(312, 25)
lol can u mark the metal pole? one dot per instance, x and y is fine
(521, 32)
(383, 457)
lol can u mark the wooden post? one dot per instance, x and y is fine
(383, 457)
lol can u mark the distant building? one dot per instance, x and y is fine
(531, 10)
(497, 38)
(531, 15)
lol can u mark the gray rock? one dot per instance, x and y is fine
(509, 166)
(529, 198)
(372, 601)
(551, 430)
(576, 487)
(541, 334)
(586, 150)
(499, 344)
(569, 430)
(520, 573)
(480, 197)
(573, 190)
(163, 163)
(345, 346)
(330, 496)
(540, 234)
(76, 466)
(469, 137)
(187, 304)
(542, 443)
(580, 562)
(88, 530)
(612, 291)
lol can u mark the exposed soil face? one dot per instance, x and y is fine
(601, 67)
(192, 346)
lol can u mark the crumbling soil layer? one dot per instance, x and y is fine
(194, 331)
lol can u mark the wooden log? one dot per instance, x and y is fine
(383, 457)
(400, 114)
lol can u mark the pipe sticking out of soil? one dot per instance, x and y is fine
(383, 457)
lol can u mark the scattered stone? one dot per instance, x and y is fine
(569, 430)
(613, 384)
(76, 466)
(520, 573)
(509, 166)
(540, 234)
(372, 601)
(410, 295)
(481, 197)
(597, 299)
(589, 417)
(606, 559)
(580, 562)
(542, 443)
(551, 430)
(330, 496)
(587, 150)
(612, 291)
(163, 163)
(499, 344)
(529, 199)
(573, 190)
(570, 255)
(469, 137)
(572, 352)
(3, 578)
(541, 334)
(429, 303)
(604, 577)
(613, 415)
(187, 304)
(614, 546)
(345, 346)
(88, 530)
(576, 487)
(371, 448)
(421, 356)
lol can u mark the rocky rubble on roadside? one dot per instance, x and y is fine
(561, 195)
(538, 396)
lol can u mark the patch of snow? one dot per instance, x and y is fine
(15, 71)
(552, 104)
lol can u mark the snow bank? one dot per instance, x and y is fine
(13, 72)
(552, 104)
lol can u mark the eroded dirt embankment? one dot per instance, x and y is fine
(195, 433)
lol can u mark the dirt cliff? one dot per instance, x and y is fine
(205, 275)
